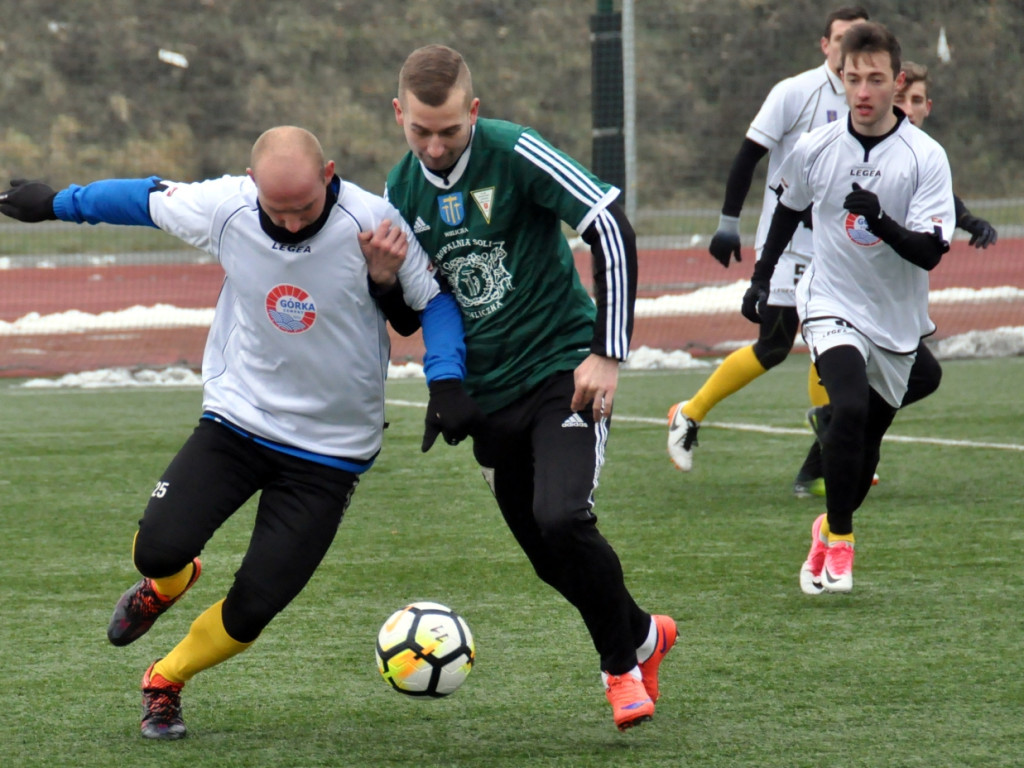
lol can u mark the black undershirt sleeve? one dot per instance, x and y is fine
(784, 223)
(403, 318)
(961, 209)
(923, 249)
(741, 175)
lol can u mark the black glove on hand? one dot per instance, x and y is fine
(30, 201)
(863, 202)
(450, 412)
(754, 301)
(726, 240)
(983, 234)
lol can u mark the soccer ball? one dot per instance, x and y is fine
(425, 649)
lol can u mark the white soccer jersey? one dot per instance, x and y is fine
(298, 350)
(854, 275)
(793, 107)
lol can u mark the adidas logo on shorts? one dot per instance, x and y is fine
(574, 421)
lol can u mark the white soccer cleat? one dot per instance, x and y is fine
(682, 437)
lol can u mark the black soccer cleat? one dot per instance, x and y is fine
(161, 707)
(140, 607)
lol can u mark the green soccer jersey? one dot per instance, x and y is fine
(493, 230)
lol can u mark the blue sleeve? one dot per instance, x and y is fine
(445, 357)
(111, 201)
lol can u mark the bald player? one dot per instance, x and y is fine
(293, 384)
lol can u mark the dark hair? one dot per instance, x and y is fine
(431, 72)
(846, 13)
(871, 37)
(915, 73)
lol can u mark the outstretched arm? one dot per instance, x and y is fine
(726, 240)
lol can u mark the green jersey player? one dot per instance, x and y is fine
(486, 199)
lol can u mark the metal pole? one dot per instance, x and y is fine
(606, 97)
(629, 105)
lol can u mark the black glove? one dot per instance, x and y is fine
(864, 202)
(754, 301)
(983, 234)
(726, 240)
(450, 412)
(28, 201)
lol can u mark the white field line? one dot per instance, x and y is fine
(761, 428)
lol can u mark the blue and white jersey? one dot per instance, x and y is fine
(298, 350)
(855, 276)
(794, 106)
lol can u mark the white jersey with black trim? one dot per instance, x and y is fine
(854, 275)
(794, 106)
(298, 350)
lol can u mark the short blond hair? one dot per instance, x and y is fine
(431, 73)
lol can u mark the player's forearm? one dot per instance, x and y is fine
(613, 247)
(785, 220)
(741, 175)
(111, 201)
(444, 339)
(391, 300)
(961, 209)
(922, 249)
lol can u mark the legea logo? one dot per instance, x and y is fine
(291, 309)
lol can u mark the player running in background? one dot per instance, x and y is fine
(793, 107)
(926, 374)
(486, 199)
(883, 215)
(293, 384)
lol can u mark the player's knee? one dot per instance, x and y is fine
(563, 533)
(847, 424)
(771, 352)
(157, 561)
(246, 612)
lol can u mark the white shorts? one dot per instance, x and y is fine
(888, 372)
(787, 274)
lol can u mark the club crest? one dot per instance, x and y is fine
(451, 208)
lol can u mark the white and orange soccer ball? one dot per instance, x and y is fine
(425, 649)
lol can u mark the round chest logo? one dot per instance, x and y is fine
(857, 230)
(291, 309)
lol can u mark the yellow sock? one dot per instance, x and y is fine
(824, 527)
(206, 644)
(815, 390)
(172, 586)
(736, 371)
(834, 537)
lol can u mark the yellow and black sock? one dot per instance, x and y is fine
(206, 644)
(736, 371)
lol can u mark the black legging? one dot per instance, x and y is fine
(851, 444)
(925, 377)
(776, 335)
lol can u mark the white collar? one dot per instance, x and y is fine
(446, 182)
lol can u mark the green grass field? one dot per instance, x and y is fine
(921, 666)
